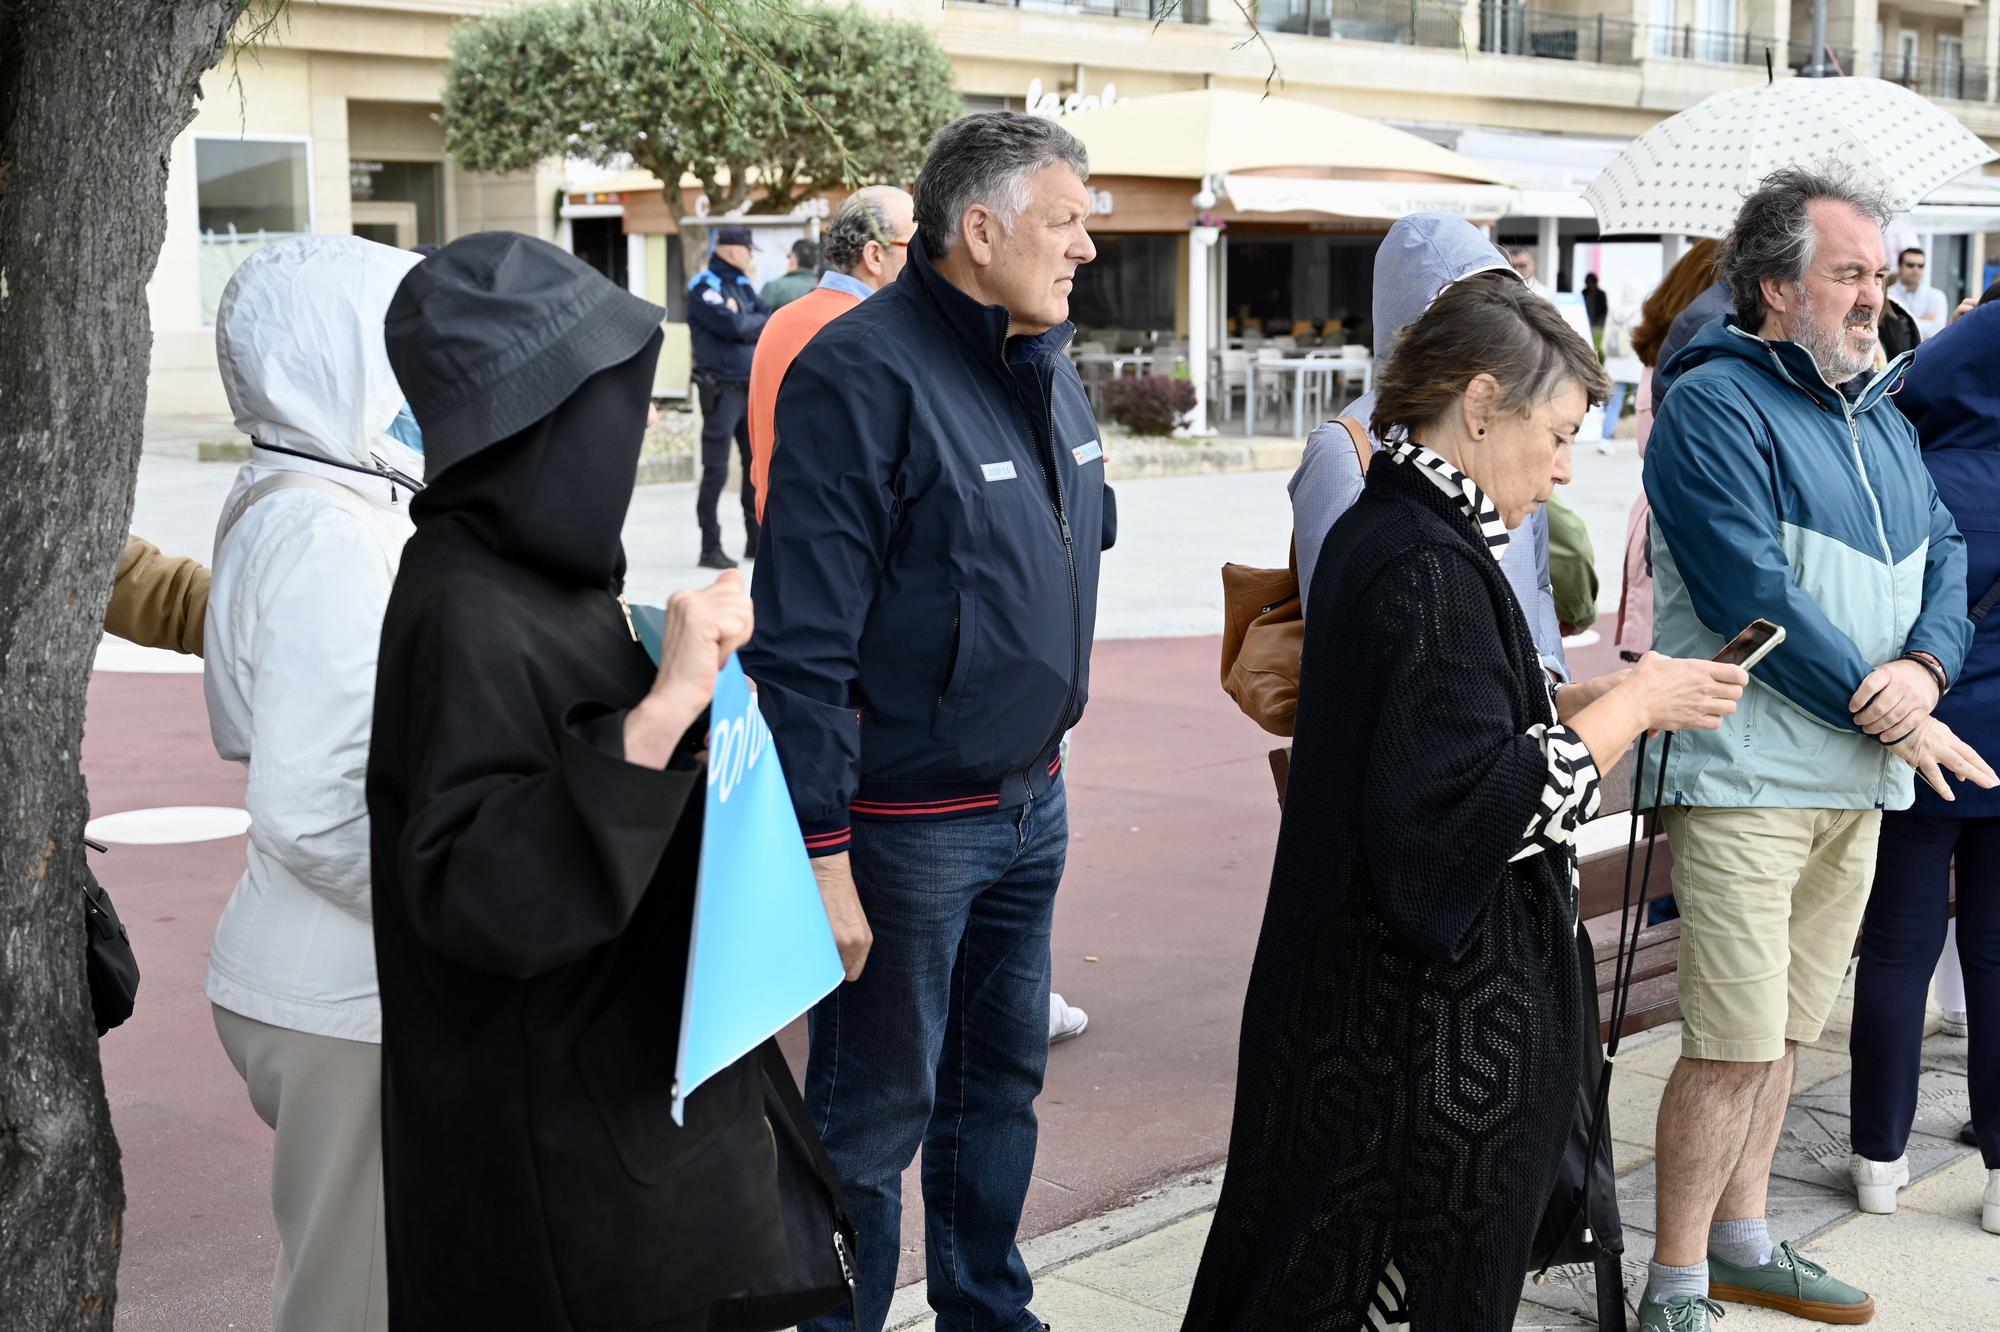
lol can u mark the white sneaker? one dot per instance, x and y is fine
(1876, 1182)
(1065, 1023)
(1607, 447)
(1989, 1215)
(1955, 1023)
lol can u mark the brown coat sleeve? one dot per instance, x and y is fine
(158, 600)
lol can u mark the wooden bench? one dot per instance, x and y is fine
(1655, 999)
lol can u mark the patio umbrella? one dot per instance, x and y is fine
(1689, 174)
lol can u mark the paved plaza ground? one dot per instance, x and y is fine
(1173, 826)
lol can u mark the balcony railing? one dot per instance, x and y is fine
(1949, 80)
(1520, 30)
(1396, 22)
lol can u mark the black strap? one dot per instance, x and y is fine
(1985, 603)
(779, 1074)
(1631, 925)
(381, 471)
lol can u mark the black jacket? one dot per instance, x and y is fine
(724, 339)
(926, 581)
(1412, 1029)
(533, 895)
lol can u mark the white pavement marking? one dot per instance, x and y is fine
(169, 825)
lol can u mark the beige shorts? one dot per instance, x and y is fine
(1770, 902)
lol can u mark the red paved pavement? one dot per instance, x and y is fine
(1172, 821)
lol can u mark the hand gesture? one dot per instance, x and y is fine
(1931, 746)
(703, 627)
(1892, 697)
(1686, 694)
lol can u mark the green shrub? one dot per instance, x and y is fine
(1148, 404)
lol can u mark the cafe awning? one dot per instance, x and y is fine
(1366, 198)
(1213, 131)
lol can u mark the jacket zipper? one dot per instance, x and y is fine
(625, 609)
(1881, 528)
(1053, 468)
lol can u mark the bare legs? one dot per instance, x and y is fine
(1718, 1130)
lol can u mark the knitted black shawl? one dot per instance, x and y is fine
(1411, 1031)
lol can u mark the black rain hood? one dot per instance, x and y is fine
(554, 496)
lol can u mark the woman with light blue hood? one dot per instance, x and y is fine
(1422, 255)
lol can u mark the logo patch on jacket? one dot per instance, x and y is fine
(711, 295)
(1089, 451)
(1000, 471)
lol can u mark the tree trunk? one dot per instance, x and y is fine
(91, 98)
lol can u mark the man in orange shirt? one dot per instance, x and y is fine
(863, 249)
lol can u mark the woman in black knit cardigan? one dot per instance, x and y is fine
(1410, 1036)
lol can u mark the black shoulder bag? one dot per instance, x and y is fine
(109, 963)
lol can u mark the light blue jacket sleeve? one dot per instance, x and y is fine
(1708, 479)
(1941, 628)
(1536, 590)
(1325, 486)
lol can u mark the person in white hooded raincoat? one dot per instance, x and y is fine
(1422, 255)
(305, 553)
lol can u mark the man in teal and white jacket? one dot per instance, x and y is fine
(1777, 496)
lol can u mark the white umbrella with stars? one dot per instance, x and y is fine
(1689, 174)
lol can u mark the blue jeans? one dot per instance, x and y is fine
(1901, 938)
(941, 1046)
(1614, 407)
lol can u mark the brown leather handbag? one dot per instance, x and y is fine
(1264, 627)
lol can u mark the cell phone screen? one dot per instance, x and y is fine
(1752, 645)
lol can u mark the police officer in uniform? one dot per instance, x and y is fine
(725, 317)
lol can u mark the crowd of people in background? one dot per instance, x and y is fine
(450, 972)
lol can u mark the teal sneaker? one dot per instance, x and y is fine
(1790, 1283)
(1677, 1313)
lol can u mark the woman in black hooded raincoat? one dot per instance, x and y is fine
(536, 832)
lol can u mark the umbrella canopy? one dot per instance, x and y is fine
(1689, 174)
(1212, 131)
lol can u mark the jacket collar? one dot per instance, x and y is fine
(1794, 365)
(725, 270)
(983, 328)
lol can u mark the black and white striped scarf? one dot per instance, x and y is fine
(1481, 510)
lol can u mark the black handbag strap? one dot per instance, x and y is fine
(1985, 603)
(1631, 925)
(845, 1242)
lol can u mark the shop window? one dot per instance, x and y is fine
(377, 183)
(1129, 287)
(249, 193)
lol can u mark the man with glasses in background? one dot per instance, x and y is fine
(863, 250)
(1925, 304)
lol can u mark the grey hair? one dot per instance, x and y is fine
(859, 221)
(1773, 236)
(986, 159)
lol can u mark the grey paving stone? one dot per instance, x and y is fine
(1943, 1102)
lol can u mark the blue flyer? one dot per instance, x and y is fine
(761, 951)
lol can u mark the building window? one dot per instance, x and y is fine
(1951, 67)
(249, 193)
(403, 202)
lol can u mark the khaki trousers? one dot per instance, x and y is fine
(323, 1096)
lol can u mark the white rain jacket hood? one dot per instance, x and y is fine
(294, 613)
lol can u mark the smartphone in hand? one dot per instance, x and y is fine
(1752, 645)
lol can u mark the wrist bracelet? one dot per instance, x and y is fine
(1937, 671)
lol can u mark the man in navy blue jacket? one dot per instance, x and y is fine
(925, 603)
(725, 318)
